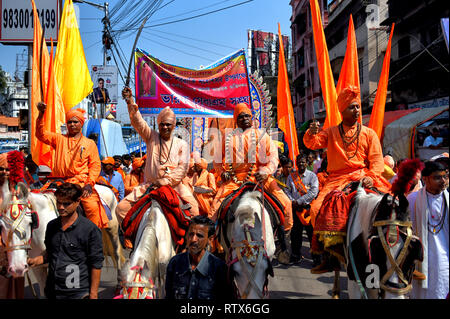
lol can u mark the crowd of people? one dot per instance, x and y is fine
(335, 157)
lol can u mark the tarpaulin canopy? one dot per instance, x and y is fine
(399, 134)
(112, 133)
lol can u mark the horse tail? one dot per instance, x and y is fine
(108, 248)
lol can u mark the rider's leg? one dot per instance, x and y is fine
(94, 210)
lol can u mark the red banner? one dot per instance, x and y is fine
(210, 92)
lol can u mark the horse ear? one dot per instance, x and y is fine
(23, 190)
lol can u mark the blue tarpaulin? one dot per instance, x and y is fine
(112, 133)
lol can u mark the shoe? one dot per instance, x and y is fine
(295, 259)
(283, 257)
(417, 275)
(322, 268)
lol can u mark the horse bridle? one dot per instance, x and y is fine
(249, 248)
(17, 212)
(136, 285)
(400, 258)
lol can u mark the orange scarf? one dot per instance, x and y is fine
(298, 183)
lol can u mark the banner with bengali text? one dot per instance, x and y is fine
(213, 91)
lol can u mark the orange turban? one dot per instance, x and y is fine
(78, 113)
(389, 161)
(203, 163)
(138, 162)
(347, 96)
(4, 160)
(109, 160)
(166, 116)
(241, 108)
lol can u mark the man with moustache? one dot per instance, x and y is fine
(354, 154)
(196, 273)
(74, 250)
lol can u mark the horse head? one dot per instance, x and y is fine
(17, 222)
(393, 247)
(249, 258)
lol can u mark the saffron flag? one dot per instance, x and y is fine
(333, 116)
(377, 116)
(350, 71)
(42, 74)
(285, 112)
(210, 92)
(71, 70)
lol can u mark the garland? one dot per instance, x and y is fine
(16, 163)
(229, 159)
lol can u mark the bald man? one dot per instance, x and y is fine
(167, 157)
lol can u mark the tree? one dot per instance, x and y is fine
(2, 80)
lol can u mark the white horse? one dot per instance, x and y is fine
(380, 248)
(252, 246)
(145, 272)
(22, 241)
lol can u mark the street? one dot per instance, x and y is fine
(289, 282)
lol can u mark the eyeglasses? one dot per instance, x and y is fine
(3, 169)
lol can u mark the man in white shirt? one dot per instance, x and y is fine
(433, 141)
(429, 214)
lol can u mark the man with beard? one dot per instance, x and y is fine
(196, 273)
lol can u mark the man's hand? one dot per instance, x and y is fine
(261, 177)
(41, 106)
(314, 127)
(367, 182)
(127, 95)
(87, 191)
(36, 261)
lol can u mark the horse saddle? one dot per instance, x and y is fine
(173, 208)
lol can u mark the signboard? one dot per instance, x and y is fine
(109, 75)
(16, 19)
(210, 92)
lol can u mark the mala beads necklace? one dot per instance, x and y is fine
(229, 160)
(436, 228)
(167, 169)
(347, 141)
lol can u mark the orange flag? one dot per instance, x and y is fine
(350, 70)
(42, 73)
(285, 112)
(333, 116)
(377, 116)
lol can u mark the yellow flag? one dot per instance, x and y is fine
(71, 70)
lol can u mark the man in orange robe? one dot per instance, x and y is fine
(136, 176)
(249, 155)
(76, 160)
(167, 157)
(354, 151)
(204, 185)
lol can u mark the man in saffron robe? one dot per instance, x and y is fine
(249, 155)
(136, 175)
(354, 151)
(76, 160)
(167, 157)
(204, 185)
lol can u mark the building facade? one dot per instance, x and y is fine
(371, 41)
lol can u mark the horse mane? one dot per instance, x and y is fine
(405, 177)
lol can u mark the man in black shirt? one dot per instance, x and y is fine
(74, 250)
(197, 274)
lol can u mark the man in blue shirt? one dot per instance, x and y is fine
(113, 177)
(196, 273)
(302, 188)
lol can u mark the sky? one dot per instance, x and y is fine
(190, 43)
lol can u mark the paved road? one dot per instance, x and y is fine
(289, 282)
